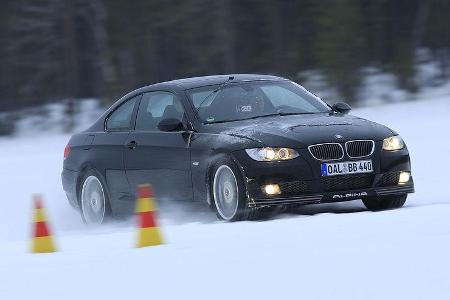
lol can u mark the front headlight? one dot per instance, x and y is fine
(271, 154)
(393, 143)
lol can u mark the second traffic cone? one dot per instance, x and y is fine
(42, 241)
(148, 234)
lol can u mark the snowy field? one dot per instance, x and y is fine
(335, 251)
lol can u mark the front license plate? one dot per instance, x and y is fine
(348, 167)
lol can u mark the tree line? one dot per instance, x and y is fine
(71, 49)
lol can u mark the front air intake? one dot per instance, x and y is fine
(345, 183)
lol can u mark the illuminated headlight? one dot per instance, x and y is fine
(393, 143)
(271, 154)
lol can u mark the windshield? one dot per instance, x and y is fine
(240, 101)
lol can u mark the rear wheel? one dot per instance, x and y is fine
(93, 199)
(382, 203)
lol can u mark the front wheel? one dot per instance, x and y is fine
(383, 203)
(227, 191)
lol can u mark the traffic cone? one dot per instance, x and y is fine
(148, 234)
(42, 241)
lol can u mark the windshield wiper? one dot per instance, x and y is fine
(214, 91)
(233, 120)
(223, 121)
(262, 116)
(296, 113)
(280, 114)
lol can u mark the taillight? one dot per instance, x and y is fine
(66, 151)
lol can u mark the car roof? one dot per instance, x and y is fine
(183, 84)
(194, 82)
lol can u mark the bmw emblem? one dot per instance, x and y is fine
(338, 136)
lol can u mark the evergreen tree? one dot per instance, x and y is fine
(340, 45)
(68, 49)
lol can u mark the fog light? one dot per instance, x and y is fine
(404, 177)
(272, 189)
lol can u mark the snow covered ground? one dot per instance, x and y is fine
(335, 251)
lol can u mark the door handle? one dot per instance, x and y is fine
(132, 145)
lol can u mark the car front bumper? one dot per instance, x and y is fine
(336, 196)
(301, 181)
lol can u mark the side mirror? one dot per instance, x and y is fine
(170, 124)
(341, 107)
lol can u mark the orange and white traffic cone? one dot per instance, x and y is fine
(148, 234)
(42, 241)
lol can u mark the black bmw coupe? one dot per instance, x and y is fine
(244, 144)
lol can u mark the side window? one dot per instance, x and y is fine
(156, 106)
(120, 119)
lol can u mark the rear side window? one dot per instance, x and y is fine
(120, 119)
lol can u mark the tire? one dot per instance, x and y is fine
(240, 211)
(227, 191)
(93, 199)
(383, 203)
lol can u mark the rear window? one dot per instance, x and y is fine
(120, 119)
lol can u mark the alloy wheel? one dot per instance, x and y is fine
(93, 201)
(226, 192)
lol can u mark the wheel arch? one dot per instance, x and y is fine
(210, 169)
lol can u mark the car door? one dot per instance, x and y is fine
(156, 157)
(109, 148)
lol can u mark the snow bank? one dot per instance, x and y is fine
(424, 126)
(379, 86)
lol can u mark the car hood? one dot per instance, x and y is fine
(298, 131)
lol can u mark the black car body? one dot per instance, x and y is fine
(178, 151)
